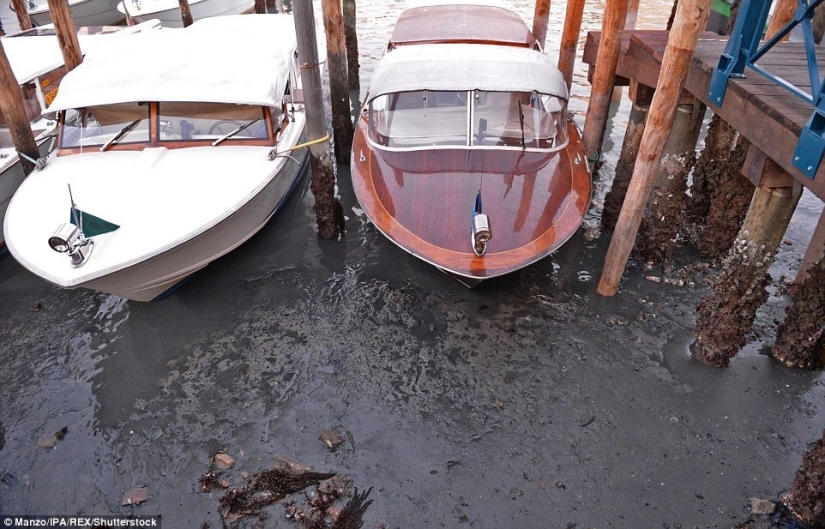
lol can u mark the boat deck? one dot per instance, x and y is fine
(461, 23)
(769, 116)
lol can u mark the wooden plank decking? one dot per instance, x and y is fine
(769, 116)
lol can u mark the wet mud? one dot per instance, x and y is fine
(529, 398)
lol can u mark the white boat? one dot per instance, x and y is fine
(37, 62)
(84, 12)
(184, 152)
(168, 11)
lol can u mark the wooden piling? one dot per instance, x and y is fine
(185, 13)
(66, 33)
(640, 96)
(816, 247)
(13, 106)
(725, 318)
(260, 7)
(690, 21)
(342, 127)
(804, 498)
(570, 39)
(21, 9)
(601, 91)
(800, 338)
(665, 212)
(541, 17)
(782, 14)
(351, 36)
(329, 214)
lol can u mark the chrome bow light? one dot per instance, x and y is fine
(68, 239)
(481, 229)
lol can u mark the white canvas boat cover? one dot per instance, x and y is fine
(466, 67)
(241, 59)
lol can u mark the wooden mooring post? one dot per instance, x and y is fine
(66, 33)
(351, 36)
(570, 39)
(329, 214)
(541, 18)
(601, 92)
(13, 106)
(690, 21)
(342, 127)
(185, 13)
(21, 9)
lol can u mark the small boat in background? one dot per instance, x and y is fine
(84, 12)
(464, 154)
(37, 63)
(168, 11)
(180, 149)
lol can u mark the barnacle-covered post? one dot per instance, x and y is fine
(329, 214)
(352, 45)
(690, 21)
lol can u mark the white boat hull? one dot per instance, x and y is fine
(84, 13)
(151, 279)
(168, 11)
(11, 177)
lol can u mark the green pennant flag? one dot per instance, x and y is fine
(91, 225)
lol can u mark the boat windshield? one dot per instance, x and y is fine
(211, 122)
(477, 118)
(96, 127)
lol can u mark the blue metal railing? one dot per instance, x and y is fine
(743, 50)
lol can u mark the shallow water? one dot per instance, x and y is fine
(527, 402)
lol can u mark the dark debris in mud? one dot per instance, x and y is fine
(266, 488)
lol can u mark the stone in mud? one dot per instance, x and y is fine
(223, 461)
(332, 438)
(135, 496)
(760, 506)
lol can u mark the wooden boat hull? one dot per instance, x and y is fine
(84, 13)
(168, 11)
(423, 200)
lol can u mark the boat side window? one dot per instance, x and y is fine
(208, 122)
(521, 119)
(419, 119)
(110, 124)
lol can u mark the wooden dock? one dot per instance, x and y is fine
(769, 116)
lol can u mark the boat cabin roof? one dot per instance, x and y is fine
(240, 59)
(32, 55)
(451, 67)
(461, 23)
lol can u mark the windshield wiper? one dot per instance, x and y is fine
(230, 134)
(120, 134)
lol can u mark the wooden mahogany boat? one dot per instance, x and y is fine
(464, 154)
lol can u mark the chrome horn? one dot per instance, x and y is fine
(481, 229)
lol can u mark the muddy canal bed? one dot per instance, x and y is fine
(527, 402)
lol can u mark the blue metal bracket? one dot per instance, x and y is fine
(743, 50)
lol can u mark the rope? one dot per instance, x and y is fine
(275, 154)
